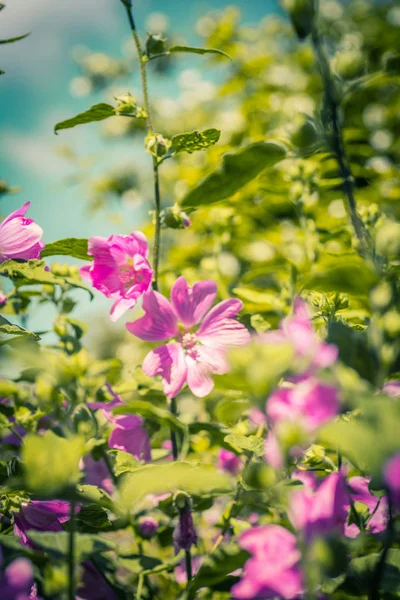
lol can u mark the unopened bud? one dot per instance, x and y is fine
(155, 44)
(304, 134)
(157, 145)
(349, 64)
(147, 527)
(302, 14)
(173, 218)
(185, 535)
(126, 104)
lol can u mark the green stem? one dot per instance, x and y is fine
(174, 411)
(143, 60)
(330, 120)
(188, 565)
(71, 552)
(378, 574)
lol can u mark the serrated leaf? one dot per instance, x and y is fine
(217, 566)
(237, 170)
(57, 543)
(12, 329)
(250, 443)
(75, 247)
(194, 50)
(169, 477)
(15, 39)
(92, 517)
(195, 140)
(97, 112)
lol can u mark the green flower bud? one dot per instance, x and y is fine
(304, 133)
(157, 145)
(388, 239)
(155, 44)
(181, 500)
(173, 218)
(302, 14)
(349, 64)
(60, 326)
(126, 104)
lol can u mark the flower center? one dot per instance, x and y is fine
(189, 342)
(128, 275)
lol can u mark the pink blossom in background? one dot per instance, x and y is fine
(191, 357)
(322, 511)
(308, 402)
(392, 388)
(272, 451)
(17, 580)
(147, 527)
(180, 570)
(3, 299)
(273, 570)
(229, 462)
(119, 270)
(298, 330)
(41, 515)
(96, 473)
(392, 479)
(20, 238)
(359, 491)
(130, 436)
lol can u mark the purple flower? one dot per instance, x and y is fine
(191, 357)
(20, 237)
(93, 585)
(130, 436)
(17, 580)
(41, 515)
(229, 462)
(120, 269)
(185, 535)
(392, 479)
(392, 388)
(299, 332)
(273, 570)
(323, 511)
(147, 527)
(309, 402)
(96, 473)
(359, 491)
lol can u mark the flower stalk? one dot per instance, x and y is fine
(71, 552)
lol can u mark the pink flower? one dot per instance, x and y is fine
(309, 402)
(273, 570)
(392, 388)
(191, 357)
(229, 462)
(299, 332)
(359, 490)
(96, 473)
(119, 270)
(20, 237)
(392, 479)
(323, 511)
(17, 580)
(41, 515)
(147, 527)
(3, 299)
(130, 436)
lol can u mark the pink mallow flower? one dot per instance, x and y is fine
(41, 515)
(17, 580)
(119, 270)
(20, 238)
(323, 511)
(229, 462)
(298, 330)
(308, 402)
(191, 357)
(273, 570)
(377, 507)
(392, 388)
(392, 479)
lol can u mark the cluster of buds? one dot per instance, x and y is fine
(157, 145)
(173, 218)
(127, 105)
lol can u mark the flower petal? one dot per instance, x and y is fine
(191, 304)
(120, 306)
(199, 377)
(220, 328)
(159, 323)
(169, 362)
(20, 212)
(20, 237)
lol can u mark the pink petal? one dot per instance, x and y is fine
(169, 362)
(20, 237)
(199, 377)
(220, 328)
(159, 323)
(134, 243)
(215, 358)
(191, 304)
(20, 212)
(120, 306)
(326, 355)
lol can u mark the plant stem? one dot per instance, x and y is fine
(71, 553)
(378, 574)
(174, 411)
(330, 121)
(188, 564)
(143, 60)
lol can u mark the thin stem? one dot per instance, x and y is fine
(157, 232)
(378, 574)
(188, 565)
(174, 411)
(71, 552)
(330, 119)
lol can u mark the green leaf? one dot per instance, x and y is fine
(57, 543)
(92, 518)
(350, 274)
(16, 39)
(237, 170)
(12, 329)
(51, 463)
(193, 141)
(193, 50)
(169, 477)
(250, 443)
(361, 572)
(136, 563)
(125, 463)
(93, 494)
(97, 112)
(230, 410)
(217, 566)
(75, 247)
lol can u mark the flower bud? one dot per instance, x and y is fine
(304, 133)
(185, 534)
(302, 14)
(147, 527)
(173, 218)
(126, 104)
(349, 64)
(388, 239)
(155, 44)
(157, 145)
